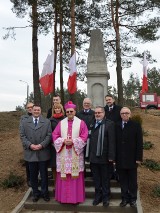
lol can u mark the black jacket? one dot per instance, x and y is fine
(108, 143)
(113, 115)
(87, 117)
(129, 145)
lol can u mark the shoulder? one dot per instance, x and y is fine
(117, 107)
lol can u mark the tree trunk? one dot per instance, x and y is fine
(115, 21)
(37, 94)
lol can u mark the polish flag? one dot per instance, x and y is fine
(145, 81)
(47, 77)
(72, 80)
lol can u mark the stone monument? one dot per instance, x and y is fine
(97, 72)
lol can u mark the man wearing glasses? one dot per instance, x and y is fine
(129, 146)
(69, 138)
(100, 151)
(86, 114)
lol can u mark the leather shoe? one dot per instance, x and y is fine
(35, 198)
(133, 203)
(123, 203)
(106, 203)
(46, 198)
(96, 202)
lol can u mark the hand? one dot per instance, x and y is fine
(68, 142)
(35, 147)
(138, 162)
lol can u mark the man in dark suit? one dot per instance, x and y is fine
(101, 150)
(35, 135)
(29, 107)
(86, 114)
(129, 152)
(112, 112)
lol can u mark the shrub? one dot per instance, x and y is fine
(145, 133)
(147, 145)
(13, 180)
(151, 164)
(156, 191)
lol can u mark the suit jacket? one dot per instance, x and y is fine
(87, 117)
(108, 143)
(129, 145)
(41, 134)
(113, 115)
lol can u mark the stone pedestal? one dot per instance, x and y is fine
(97, 72)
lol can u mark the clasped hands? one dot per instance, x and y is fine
(36, 147)
(68, 141)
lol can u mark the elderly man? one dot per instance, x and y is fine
(129, 143)
(69, 138)
(86, 114)
(101, 150)
(35, 136)
(29, 107)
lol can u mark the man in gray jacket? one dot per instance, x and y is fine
(29, 108)
(35, 133)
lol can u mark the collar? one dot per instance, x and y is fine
(35, 118)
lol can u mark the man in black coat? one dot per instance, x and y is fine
(129, 152)
(101, 150)
(112, 111)
(86, 114)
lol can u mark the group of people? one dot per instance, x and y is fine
(106, 137)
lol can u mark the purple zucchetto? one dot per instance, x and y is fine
(69, 104)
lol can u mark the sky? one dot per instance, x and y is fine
(16, 60)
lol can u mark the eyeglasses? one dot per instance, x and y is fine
(30, 107)
(69, 111)
(125, 113)
(86, 103)
(98, 112)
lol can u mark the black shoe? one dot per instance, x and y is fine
(96, 202)
(35, 198)
(106, 203)
(46, 198)
(123, 203)
(133, 203)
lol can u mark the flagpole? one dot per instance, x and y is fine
(73, 96)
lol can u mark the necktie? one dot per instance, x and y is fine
(124, 124)
(110, 109)
(35, 122)
(97, 123)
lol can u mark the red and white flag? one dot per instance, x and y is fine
(47, 77)
(145, 80)
(72, 80)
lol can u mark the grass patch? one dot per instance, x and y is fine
(151, 164)
(12, 181)
(145, 133)
(156, 191)
(147, 145)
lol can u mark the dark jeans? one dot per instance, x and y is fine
(35, 168)
(100, 174)
(128, 183)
